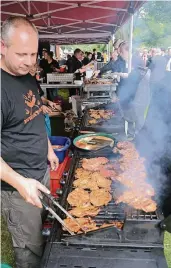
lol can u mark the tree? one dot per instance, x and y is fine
(153, 24)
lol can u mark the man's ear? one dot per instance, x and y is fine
(2, 48)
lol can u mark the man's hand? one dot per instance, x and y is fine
(96, 73)
(46, 110)
(54, 105)
(29, 190)
(82, 70)
(53, 159)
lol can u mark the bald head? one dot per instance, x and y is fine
(11, 24)
(19, 45)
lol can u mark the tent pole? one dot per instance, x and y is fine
(107, 48)
(113, 40)
(130, 43)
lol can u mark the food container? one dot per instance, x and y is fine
(97, 135)
(65, 142)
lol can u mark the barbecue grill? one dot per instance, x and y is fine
(138, 244)
(114, 125)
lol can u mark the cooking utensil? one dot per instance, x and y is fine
(47, 207)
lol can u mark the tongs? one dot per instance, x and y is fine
(47, 207)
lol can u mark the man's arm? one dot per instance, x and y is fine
(53, 159)
(28, 188)
(107, 67)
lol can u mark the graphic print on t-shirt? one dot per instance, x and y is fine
(31, 102)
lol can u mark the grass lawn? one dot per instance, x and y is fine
(7, 255)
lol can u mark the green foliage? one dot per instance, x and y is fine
(152, 25)
(87, 47)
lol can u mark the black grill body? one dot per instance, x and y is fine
(138, 245)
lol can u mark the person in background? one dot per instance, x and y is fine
(68, 56)
(158, 69)
(108, 67)
(87, 59)
(168, 57)
(25, 147)
(75, 64)
(94, 55)
(89, 55)
(43, 61)
(163, 52)
(51, 64)
(119, 65)
(105, 56)
(137, 60)
(152, 54)
(145, 57)
(48, 106)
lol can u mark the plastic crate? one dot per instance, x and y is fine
(58, 140)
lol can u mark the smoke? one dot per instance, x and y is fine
(154, 140)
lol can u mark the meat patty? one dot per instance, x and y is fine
(89, 183)
(86, 223)
(84, 211)
(80, 173)
(79, 198)
(138, 201)
(101, 181)
(94, 164)
(100, 197)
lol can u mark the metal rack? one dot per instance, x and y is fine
(101, 90)
(60, 78)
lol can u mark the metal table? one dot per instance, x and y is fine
(57, 86)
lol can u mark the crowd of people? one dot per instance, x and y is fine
(25, 147)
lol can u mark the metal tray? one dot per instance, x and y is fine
(114, 125)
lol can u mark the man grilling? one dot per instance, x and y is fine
(25, 147)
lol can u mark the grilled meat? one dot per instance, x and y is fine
(100, 197)
(86, 223)
(101, 181)
(117, 224)
(86, 183)
(82, 173)
(95, 115)
(94, 164)
(79, 198)
(137, 201)
(92, 122)
(101, 114)
(84, 211)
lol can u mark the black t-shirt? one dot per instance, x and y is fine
(24, 145)
(49, 67)
(40, 91)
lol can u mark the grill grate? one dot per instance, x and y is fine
(111, 212)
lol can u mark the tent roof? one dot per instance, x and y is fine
(66, 22)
